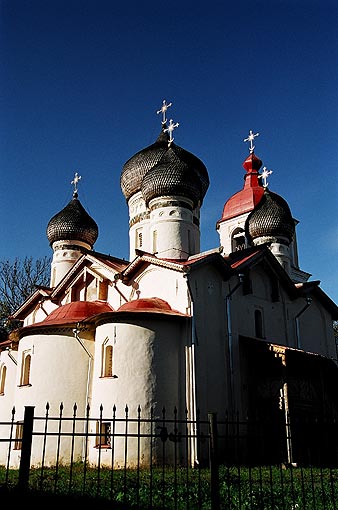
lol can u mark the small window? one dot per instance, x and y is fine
(25, 371)
(155, 241)
(18, 436)
(107, 358)
(108, 361)
(103, 434)
(3, 372)
(138, 238)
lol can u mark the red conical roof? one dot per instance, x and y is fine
(245, 200)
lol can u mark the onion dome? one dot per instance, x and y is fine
(271, 218)
(173, 176)
(247, 198)
(138, 166)
(72, 223)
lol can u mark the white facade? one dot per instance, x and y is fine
(172, 328)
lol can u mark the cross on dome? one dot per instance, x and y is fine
(250, 139)
(170, 130)
(163, 110)
(75, 181)
(264, 176)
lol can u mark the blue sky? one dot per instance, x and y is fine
(81, 81)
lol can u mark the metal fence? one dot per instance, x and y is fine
(171, 462)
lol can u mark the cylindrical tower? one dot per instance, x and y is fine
(164, 186)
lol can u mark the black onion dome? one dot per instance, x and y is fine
(73, 222)
(172, 176)
(196, 164)
(270, 218)
(138, 165)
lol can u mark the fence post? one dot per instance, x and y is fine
(214, 474)
(26, 447)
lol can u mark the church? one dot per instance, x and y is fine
(237, 329)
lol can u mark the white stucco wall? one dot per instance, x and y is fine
(176, 233)
(169, 285)
(7, 399)
(58, 375)
(148, 371)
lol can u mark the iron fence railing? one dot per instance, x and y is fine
(161, 461)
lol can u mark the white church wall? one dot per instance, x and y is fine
(227, 228)
(139, 225)
(168, 285)
(118, 293)
(58, 371)
(148, 370)
(211, 341)
(58, 374)
(315, 331)
(7, 379)
(172, 225)
(39, 312)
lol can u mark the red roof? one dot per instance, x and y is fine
(245, 200)
(153, 304)
(75, 312)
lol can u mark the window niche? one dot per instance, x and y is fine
(3, 373)
(25, 369)
(103, 434)
(107, 359)
(238, 240)
(259, 327)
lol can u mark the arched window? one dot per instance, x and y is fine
(139, 240)
(3, 372)
(25, 371)
(155, 241)
(108, 361)
(238, 240)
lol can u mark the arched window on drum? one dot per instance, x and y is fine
(238, 240)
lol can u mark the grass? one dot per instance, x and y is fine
(258, 488)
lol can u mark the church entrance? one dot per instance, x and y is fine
(291, 403)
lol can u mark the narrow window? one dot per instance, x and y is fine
(108, 361)
(140, 239)
(155, 241)
(18, 436)
(3, 371)
(26, 367)
(103, 434)
(258, 324)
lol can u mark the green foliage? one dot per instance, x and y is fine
(243, 488)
